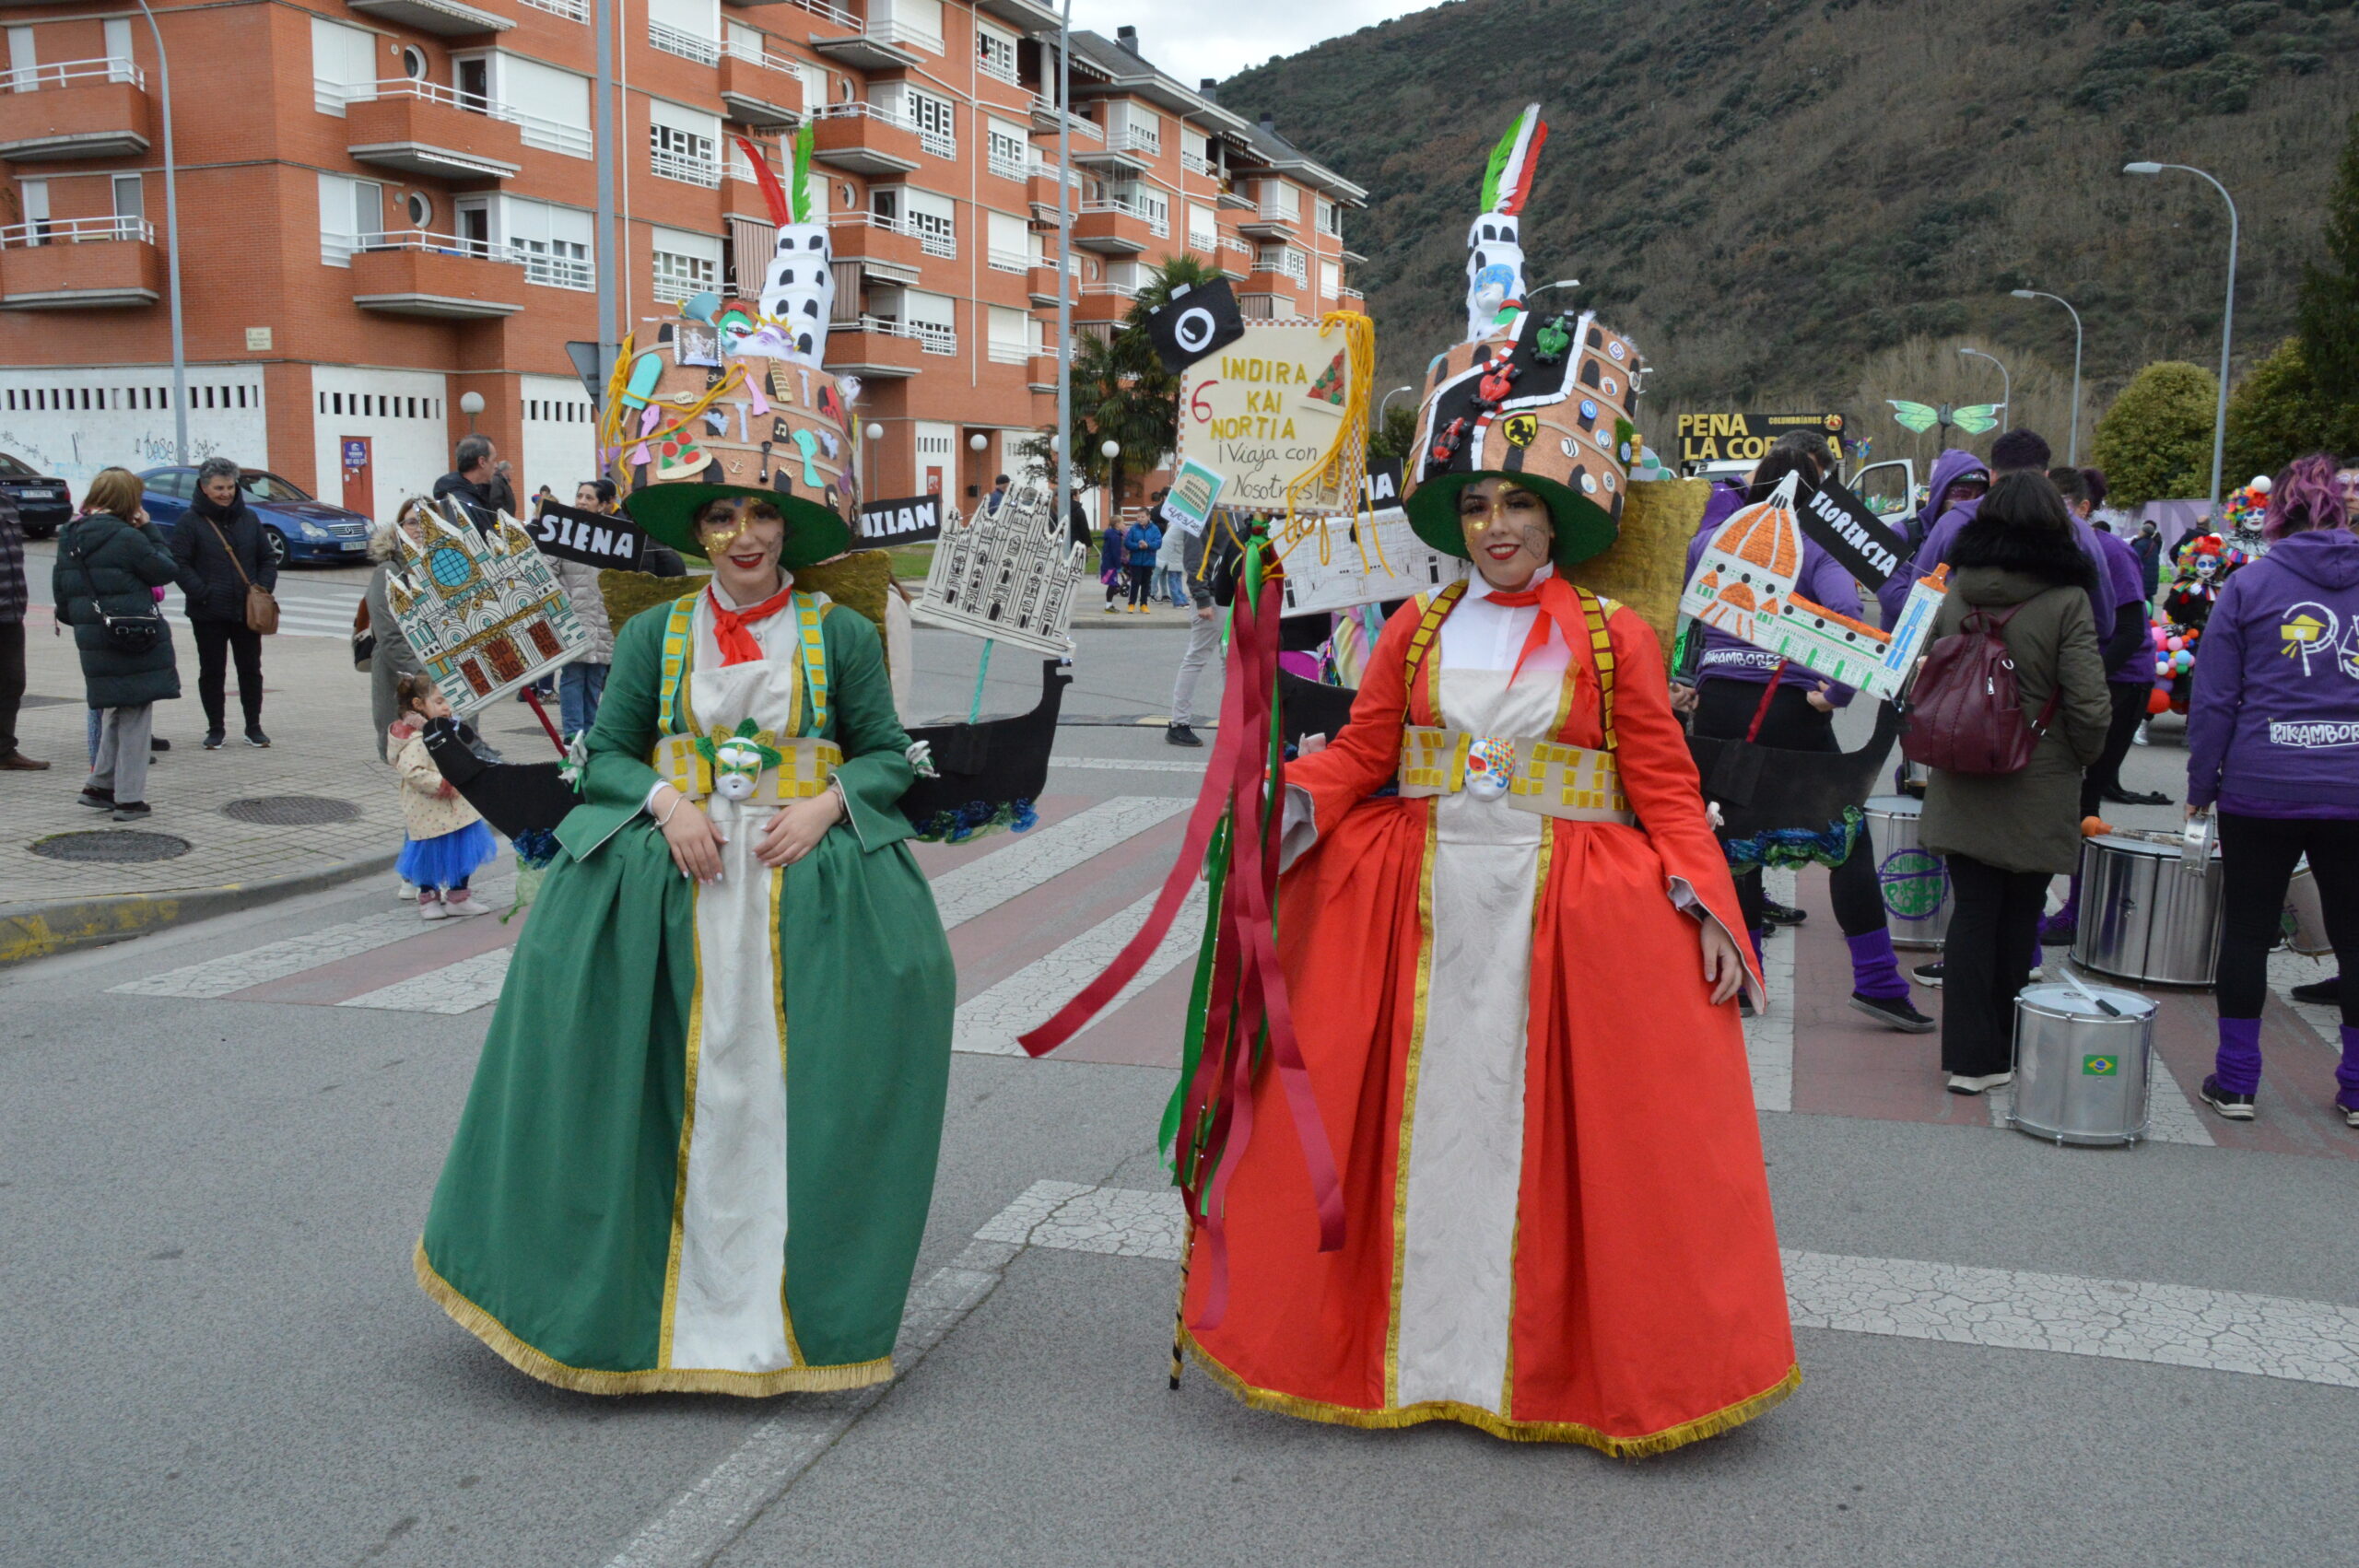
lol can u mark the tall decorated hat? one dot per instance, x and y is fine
(1541, 399)
(733, 399)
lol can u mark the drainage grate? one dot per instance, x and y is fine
(291, 811)
(116, 847)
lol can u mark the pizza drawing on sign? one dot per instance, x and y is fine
(1329, 387)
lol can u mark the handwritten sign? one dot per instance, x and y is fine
(1265, 411)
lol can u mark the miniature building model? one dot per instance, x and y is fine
(483, 612)
(1009, 574)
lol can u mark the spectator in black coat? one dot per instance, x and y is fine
(218, 543)
(12, 639)
(478, 482)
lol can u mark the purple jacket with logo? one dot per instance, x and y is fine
(1822, 582)
(2272, 728)
(2121, 563)
(1939, 542)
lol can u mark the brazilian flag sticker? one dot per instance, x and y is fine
(2100, 1066)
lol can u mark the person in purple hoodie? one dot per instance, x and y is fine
(2015, 451)
(1959, 479)
(2272, 744)
(1736, 679)
(2126, 649)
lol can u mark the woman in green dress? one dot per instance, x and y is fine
(700, 1145)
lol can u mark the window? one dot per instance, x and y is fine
(1128, 125)
(344, 65)
(1204, 229)
(1280, 200)
(1010, 334)
(907, 21)
(129, 207)
(420, 208)
(414, 63)
(352, 217)
(1281, 259)
(933, 219)
(933, 316)
(995, 53)
(686, 264)
(1331, 217)
(34, 193)
(684, 143)
(937, 132)
(1195, 150)
(118, 41)
(552, 242)
(21, 59)
(689, 29)
(1331, 279)
(1008, 242)
(1009, 147)
(550, 107)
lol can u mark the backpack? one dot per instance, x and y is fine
(1963, 713)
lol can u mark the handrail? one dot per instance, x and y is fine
(1008, 261)
(1195, 164)
(1041, 105)
(1231, 242)
(835, 14)
(62, 73)
(754, 53)
(572, 10)
(1007, 167)
(861, 217)
(860, 107)
(687, 168)
(1008, 353)
(931, 338)
(75, 231)
(1143, 141)
(556, 135)
(1158, 226)
(891, 30)
(687, 45)
(997, 72)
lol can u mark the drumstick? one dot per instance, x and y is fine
(2074, 981)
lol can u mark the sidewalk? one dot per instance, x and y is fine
(231, 828)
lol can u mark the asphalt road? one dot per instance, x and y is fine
(210, 1184)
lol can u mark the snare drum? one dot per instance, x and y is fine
(2082, 1075)
(1915, 884)
(2145, 917)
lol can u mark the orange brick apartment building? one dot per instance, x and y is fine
(385, 205)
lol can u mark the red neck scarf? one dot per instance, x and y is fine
(731, 628)
(1559, 606)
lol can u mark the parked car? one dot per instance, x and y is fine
(298, 530)
(42, 505)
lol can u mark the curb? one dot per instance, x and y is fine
(30, 931)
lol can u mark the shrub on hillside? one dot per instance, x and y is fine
(2154, 443)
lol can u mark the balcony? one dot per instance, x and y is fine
(1045, 117)
(1116, 227)
(1040, 190)
(693, 47)
(75, 108)
(438, 275)
(758, 89)
(422, 128)
(860, 138)
(688, 168)
(879, 46)
(888, 251)
(79, 263)
(448, 17)
(1102, 303)
(1269, 223)
(1190, 163)
(1041, 370)
(1015, 353)
(1040, 280)
(875, 348)
(1352, 299)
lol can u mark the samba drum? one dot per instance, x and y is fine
(2306, 923)
(2080, 1074)
(2144, 914)
(1914, 882)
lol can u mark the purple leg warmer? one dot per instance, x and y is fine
(1758, 935)
(2346, 1072)
(1875, 968)
(2238, 1067)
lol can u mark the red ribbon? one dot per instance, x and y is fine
(729, 628)
(1559, 606)
(1249, 991)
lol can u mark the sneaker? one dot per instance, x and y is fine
(255, 737)
(2328, 991)
(1893, 1012)
(2140, 737)
(131, 811)
(98, 799)
(213, 739)
(1181, 735)
(459, 901)
(2347, 1102)
(404, 892)
(1960, 1084)
(1929, 974)
(429, 905)
(2231, 1107)
(1778, 914)
(1113, 609)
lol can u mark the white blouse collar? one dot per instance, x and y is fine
(1479, 587)
(720, 595)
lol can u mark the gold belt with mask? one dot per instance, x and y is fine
(1530, 773)
(804, 767)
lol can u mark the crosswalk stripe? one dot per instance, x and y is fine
(2184, 1325)
(275, 961)
(449, 991)
(989, 1023)
(1044, 854)
(1129, 765)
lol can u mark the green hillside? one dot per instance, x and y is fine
(1792, 203)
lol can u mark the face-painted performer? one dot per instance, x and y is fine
(1513, 955)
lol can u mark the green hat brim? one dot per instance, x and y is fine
(668, 512)
(1583, 528)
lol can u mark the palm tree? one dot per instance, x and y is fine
(1121, 391)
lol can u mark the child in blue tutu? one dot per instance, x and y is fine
(448, 841)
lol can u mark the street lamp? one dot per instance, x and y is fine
(2073, 441)
(2006, 382)
(2227, 316)
(1532, 294)
(1386, 402)
(471, 404)
(172, 245)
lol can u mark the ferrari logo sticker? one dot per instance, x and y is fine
(1521, 429)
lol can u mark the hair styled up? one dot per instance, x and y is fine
(2022, 526)
(2304, 497)
(2069, 485)
(410, 690)
(2093, 479)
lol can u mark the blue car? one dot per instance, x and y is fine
(298, 530)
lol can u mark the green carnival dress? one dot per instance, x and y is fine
(700, 1145)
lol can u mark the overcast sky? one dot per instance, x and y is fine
(1220, 38)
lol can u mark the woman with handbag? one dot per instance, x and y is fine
(110, 562)
(219, 545)
(2017, 575)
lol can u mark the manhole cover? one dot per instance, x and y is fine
(117, 846)
(292, 810)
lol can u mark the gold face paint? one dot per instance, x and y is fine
(1508, 530)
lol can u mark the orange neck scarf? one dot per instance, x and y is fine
(1559, 607)
(732, 628)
